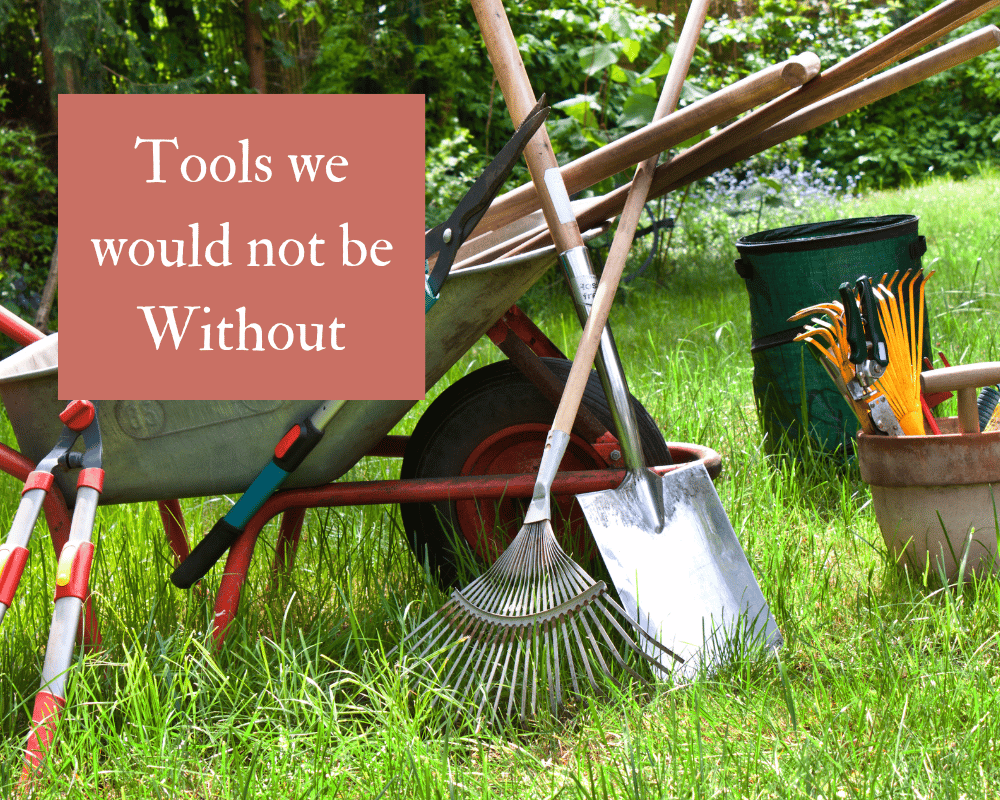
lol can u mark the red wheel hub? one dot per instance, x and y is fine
(490, 525)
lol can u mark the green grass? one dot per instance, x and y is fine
(885, 687)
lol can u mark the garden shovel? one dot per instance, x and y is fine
(667, 543)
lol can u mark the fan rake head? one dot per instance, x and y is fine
(534, 617)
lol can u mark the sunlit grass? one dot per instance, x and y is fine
(885, 687)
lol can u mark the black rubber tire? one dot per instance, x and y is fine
(466, 414)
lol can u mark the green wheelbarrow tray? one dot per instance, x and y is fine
(159, 450)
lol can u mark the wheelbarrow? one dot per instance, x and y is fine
(473, 478)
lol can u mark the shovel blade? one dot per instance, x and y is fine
(679, 569)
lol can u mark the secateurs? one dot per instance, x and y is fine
(853, 354)
(869, 345)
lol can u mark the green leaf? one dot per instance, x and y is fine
(659, 67)
(597, 57)
(580, 108)
(614, 23)
(638, 111)
(631, 48)
(772, 183)
(619, 75)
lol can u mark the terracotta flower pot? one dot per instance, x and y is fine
(936, 498)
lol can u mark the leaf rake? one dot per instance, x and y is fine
(534, 615)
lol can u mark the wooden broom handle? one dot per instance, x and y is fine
(520, 99)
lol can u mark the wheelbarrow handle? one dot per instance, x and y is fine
(14, 552)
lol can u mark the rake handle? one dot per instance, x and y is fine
(627, 224)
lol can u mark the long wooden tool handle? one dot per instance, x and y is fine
(679, 172)
(836, 105)
(520, 99)
(660, 135)
(622, 242)
(890, 48)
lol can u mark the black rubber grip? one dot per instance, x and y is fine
(308, 438)
(855, 327)
(209, 550)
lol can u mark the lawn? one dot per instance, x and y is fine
(886, 685)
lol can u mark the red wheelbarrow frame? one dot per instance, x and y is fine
(516, 335)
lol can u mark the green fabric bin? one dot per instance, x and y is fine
(787, 269)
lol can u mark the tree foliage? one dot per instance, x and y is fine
(27, 220)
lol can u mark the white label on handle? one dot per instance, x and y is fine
(557, 192)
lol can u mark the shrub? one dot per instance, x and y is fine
(28, 219)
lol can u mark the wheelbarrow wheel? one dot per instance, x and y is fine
(494, 422)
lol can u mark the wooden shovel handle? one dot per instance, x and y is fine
(520, 99)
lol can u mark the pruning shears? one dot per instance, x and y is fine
(864, 332)
(446, 238)
(72, 573)
(851, 348)
(868, 352)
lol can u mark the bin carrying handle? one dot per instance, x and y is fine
(963, 379)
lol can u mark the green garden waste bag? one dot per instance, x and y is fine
(787, 269)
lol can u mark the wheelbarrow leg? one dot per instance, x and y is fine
(72, 580)
(227, 601)
(289, 535)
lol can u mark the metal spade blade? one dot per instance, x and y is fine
(679, 569)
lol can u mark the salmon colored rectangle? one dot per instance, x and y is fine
(260, 247)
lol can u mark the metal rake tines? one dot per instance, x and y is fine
(534, 616)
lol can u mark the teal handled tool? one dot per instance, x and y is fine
(291, 451)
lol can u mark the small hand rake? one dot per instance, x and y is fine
(536, 612)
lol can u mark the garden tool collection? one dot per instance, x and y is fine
(75, 559)
(443, 241)
(838, 90)
(869, 344)
(531, 612)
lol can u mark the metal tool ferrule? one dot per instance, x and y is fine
(582, 280)
(583, 286)
(555, 448)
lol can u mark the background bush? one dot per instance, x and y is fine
(27, 221)
(601, 63)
